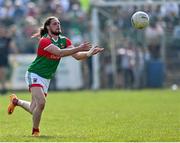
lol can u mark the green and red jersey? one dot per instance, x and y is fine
(46, 63)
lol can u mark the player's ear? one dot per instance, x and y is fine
(48, 27)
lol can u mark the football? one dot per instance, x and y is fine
(140, 20)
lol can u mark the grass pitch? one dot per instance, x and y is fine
(146, 115)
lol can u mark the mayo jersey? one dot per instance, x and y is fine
(46, 63)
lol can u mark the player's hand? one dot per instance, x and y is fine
(86, 46)
(95, 50)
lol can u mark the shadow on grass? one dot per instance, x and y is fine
(57, 137)
(46, 137)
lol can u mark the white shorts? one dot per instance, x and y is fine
(34, 80)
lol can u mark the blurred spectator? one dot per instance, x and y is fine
(153, 35)
(176, 32)
(128, 63)
(8, 10)
(176, 37)
(29, 29)
(19, 11)
(32, 10)
(5, 45)
(1, 2)
(65, 4)
(170, 9)
(139, 69)
(109, 72)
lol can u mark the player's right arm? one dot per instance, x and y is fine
(51, 48)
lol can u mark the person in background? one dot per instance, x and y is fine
(6, 45)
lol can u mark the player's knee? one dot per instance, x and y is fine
(41, 105)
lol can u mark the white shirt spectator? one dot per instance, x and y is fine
(65, 4)
(169, 9)
(153, 34)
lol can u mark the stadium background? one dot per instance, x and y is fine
(132, 58)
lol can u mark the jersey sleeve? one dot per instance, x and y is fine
(68, 42)
(44, 42)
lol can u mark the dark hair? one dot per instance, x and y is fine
(43, 30)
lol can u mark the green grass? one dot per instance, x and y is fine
(146, 115)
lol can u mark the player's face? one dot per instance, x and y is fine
(55, 27)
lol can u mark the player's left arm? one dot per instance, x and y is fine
(84, 55)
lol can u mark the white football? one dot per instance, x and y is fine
(140, 20)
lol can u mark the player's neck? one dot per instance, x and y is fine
(55, 37)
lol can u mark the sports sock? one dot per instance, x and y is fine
(22, 103)
(35, 130)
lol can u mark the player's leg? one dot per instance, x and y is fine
(26, 105)
(38, 95)
(14, 101)
(38, 87)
